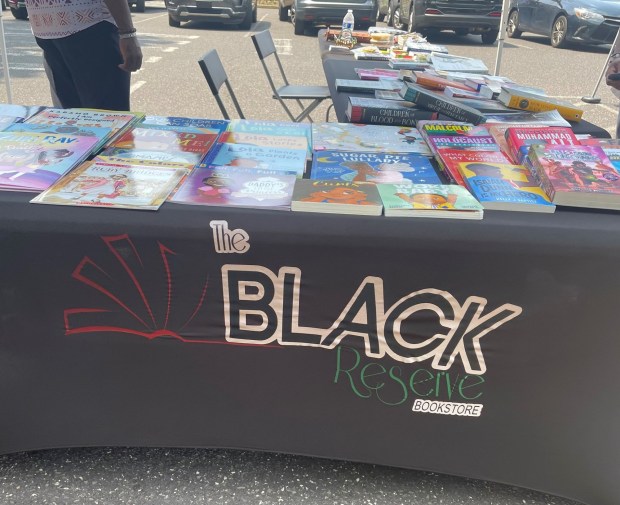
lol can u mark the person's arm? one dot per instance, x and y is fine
(614, 65)
(130, 48)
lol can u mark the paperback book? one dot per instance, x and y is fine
(501, 186)
(34, 161)
(498, 132)
(332, 196)
(429, 200)
(385, 112)
(96, 184)
(204, 125)
(236, 189)
(118, 122)
(373, 167)
(447, 106)
(251, 157)
(520, 139)
(580, 176)
(100, 134)
(273, 128)
(456, 135)
(449, 160)
(369, 87)
(260, 139)
(519, 99)
(163, 145)
(19, 112)
(545, 118)
(368, 138)
(453, 63)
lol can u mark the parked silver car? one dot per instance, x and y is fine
(230, 12)
(324, 12)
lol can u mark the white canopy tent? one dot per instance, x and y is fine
(5, 63)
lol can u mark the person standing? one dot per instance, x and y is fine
(90, 47)
(613, 67)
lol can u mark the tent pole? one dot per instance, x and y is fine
(5, 63)
(502, 34)
(593, 98)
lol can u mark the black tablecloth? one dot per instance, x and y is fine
(342, 66)
(486, 349)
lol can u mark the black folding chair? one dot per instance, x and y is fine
(215, 75)
(265, 47)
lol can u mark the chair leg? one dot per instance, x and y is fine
(331, 106)
(305, 114)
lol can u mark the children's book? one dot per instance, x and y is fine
(237, 189)
(520, 139)
(116, 121)
(498, 132)
(453, 63)
(429, 200)
(368, 138)
(203, 125)
(34, 161)
(264, 140)
(19, 112)
(449, 161)
(545, 118)
(96, 184)
(456, 135)
(273, 128)
(249, 157)
(163, 145)
(101, 134)
(501, 186)
(373, 167)
(580, 176)
(8, 121)
(334, 196)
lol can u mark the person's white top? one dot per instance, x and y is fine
(54, 19)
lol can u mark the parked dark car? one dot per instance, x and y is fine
(585, 21)
(480, 17)
(327, 12)
(230, 12)
(18, 9)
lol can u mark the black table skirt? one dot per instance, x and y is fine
(485, 349)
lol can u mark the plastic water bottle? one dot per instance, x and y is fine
(348, 22)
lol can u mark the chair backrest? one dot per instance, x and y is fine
(214, 73)
(263, 43)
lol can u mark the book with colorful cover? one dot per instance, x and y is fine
(498, 132)
(429, 200)
(116, 121)
(516, 98)
(248, 156)
(360, 86)
(520, 139)
(368, 138)
(373, 167)
(374, 74)
(264, 140)
(34, 161)
(449, 161)
(456, 135)
(96, 184)
(101, 134)
(237, 189)
(545, 118)
(163, 145)
(335, 196)
(20, 112)
(431, 81)
(203, 125)
(503, 186)
(580, 176)
(151, 162)
(7, 121)
(273, 128)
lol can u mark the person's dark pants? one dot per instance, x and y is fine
(84, 68)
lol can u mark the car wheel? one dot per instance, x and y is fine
(175, 23)
(19, 13)
(246, 24)
(558, 32)
(283, 13)
(490, 37)
(512, 30)
(411, 23)
(139, 5)
(300, 26)
(397, 21)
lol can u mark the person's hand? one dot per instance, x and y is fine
(613, 68)
(132, 54)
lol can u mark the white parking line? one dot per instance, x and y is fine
(249, 34)
(518, 45)
(171, 49)
(152, 59)
(169, 36)
(149, 19)
(136, 86)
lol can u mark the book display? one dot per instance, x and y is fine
(342, 197)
